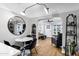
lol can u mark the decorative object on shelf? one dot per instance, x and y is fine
(71, 35)
(71, 32)
(16, 25)
(72, 24)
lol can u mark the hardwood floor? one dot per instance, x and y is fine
(45, 48)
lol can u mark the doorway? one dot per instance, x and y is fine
(49, 29)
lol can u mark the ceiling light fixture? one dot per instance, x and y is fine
(45, 8)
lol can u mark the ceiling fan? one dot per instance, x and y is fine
(46, 20)
(50, 20)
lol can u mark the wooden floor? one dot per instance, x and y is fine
(45, 48)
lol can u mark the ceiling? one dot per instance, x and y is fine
(38, 10)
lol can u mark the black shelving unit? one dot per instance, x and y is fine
(71, 34)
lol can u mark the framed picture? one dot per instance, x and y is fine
(48, 27)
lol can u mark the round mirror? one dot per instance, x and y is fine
(16, 25)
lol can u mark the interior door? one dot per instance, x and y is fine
(48, 30)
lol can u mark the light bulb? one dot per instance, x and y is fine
(23, 13)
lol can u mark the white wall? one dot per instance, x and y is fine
(41, 27)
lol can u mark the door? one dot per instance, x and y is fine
(48, 30)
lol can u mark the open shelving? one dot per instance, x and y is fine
(71, 35)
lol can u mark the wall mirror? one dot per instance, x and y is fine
(16, 25)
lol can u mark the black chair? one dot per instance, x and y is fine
(7, 43)
(29, 36)
(14, 46)
(28, 42)
(31, 45)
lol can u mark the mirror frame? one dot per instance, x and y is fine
(22, 20)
